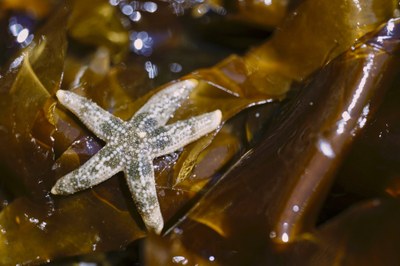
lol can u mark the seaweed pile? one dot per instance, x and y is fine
(304, 171)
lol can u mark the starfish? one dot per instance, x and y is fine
(132, 145)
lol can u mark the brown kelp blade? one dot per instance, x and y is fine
(48, 142)
(275, 192)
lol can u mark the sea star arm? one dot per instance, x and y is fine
(97, 169)
(173, 137)
(101, 122)
(140, 177)
(163, 104)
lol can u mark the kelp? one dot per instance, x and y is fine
(52, 143)
(292, 170)
(323, 30)
(241, 204)
(265, 14)
(365, 233)
(38, 8)
(375, 154)
(96, 23)
(300, 46)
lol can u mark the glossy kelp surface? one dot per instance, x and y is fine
(273, 210)
(249, 193)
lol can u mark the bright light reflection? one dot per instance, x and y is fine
(127, 10)
(15, 28)
(340, 128)
(135, 16)
(135, 5)
(87, 264)
(17, 62)
(150, 7)
(346, 116)
(178, 231)
(363, 118)
(20, 32)
(366, 74)
(211, 258)
(360, 89)
(180, 259)
(138, 44)
(390, 26)
(141, 43)
(358, 5)
(285, 237)
(22, 35)
(114, 2)
(40, 225)
(33, 220)
(151, 69)
(175, 67)
(326, 148)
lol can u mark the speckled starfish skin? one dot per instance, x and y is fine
(132, 145)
